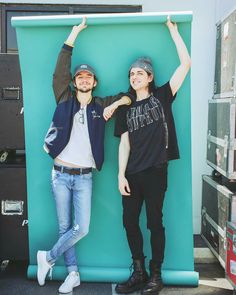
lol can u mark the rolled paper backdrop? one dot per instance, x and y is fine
(101, 274)
(110, 43)
(101, 19)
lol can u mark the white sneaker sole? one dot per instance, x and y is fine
(41, 283)
(62, 292)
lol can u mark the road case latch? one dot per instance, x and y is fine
(11, 93)
(10, 207)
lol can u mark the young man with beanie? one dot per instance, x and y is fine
(75, 140)
(148, 141)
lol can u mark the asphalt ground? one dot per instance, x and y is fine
(13, 281)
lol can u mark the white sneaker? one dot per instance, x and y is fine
(71, 281)
(43, 267)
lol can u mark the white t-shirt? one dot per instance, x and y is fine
(78, 150)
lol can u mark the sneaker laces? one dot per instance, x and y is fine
(72, 274)
(50, 271)
(68, 277)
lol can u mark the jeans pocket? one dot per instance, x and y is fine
(55, 174)
(87, 176)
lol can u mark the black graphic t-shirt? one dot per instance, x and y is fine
(148, 122)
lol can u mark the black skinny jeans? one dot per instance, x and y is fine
(148, 185)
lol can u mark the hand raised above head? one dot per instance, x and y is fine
(170, 24)
(75, 32)
(81, 26)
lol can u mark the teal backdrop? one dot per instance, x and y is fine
(110, 43)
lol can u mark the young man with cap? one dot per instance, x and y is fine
(148, 141)
(75, 141)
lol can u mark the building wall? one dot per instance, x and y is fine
(205, 15)
(223, 8)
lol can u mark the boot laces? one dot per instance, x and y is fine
(131, 269)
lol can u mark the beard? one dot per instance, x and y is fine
(84, 90)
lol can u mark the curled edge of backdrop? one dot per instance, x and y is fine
(101, 19)
(107, 274)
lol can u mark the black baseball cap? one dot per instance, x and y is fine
(84, 67)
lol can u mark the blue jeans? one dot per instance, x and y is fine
(67, 190)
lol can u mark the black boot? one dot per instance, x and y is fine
(136, 281)
(154, 284)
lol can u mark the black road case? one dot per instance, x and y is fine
(214, 237)
(218, 207)
(225, 64)
(221, 137)
(13, 215)
(11, 103)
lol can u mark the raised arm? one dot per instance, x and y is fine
(124, 151)
(185, 61)
(62, 74)
(75, 32)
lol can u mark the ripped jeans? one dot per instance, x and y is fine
(70, 190)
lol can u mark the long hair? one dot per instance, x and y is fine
(151, 87)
